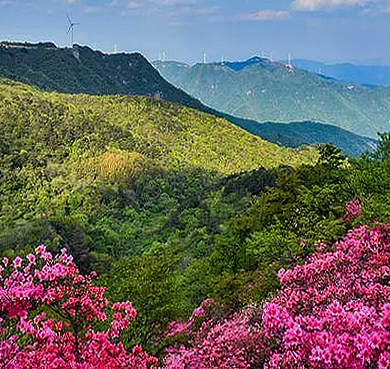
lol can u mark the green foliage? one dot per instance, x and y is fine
(153, 282)
(383, 150)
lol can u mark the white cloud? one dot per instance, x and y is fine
(93, 10)
(113, 3)
(267, 15)
(167, 9)
(193, 11)
(387, 9)
(172, 2)
(132, 5)
(313, 5)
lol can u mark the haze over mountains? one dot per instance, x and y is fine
(262, 90)
(364, 74)
(83, 70)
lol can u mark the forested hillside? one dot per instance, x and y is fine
(83, 70)
(71, 156)
(51, 141)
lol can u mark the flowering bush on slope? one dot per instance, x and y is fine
(47, 315)
(332, 312)
(352, 210)
(234, 342)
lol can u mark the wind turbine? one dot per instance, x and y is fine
(164, 56)
(71, 27)
(289, 64)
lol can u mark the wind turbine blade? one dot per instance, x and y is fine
(69, 29)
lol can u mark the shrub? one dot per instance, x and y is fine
(49, 313)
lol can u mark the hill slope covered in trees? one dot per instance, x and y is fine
(57, 149)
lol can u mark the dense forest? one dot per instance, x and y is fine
(176, 209)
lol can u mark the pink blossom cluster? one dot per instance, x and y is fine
(233, 342)
(178, 328)
(332, 312)
(48, 312)
(352, 210)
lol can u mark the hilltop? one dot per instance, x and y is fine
(83, 70)
(267, 91)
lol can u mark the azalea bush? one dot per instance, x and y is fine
(49, 314)
(352, 210)
(331, 312)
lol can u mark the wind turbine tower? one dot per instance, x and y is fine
(289, 65)
(204, 58)
(164, 56)
(71, 28)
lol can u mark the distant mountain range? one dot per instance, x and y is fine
(83, 70)
(265, 91)
(370, 75)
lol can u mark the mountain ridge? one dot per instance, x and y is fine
(83, 70)
(368, 75)
(265, 91)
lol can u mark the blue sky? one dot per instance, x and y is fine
(327, 30)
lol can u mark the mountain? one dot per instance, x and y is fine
(83, 70)
(56, 126)
(265, 91)
(81, 154)
(370, 75)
